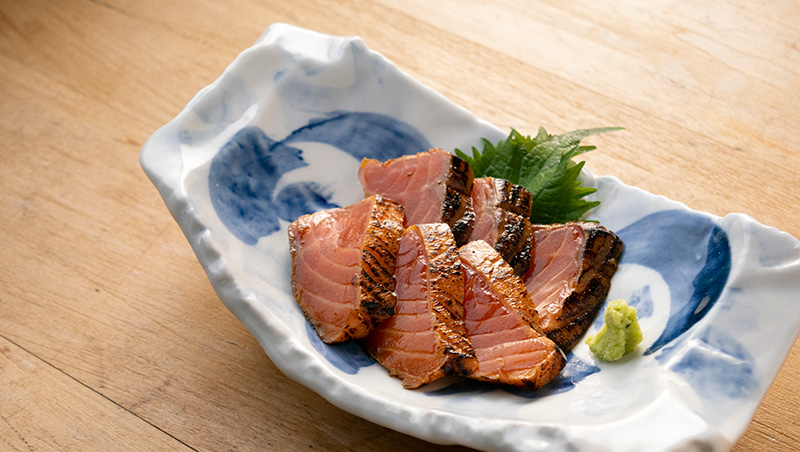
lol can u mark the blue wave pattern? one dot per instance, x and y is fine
(718, 367)
(690, 252)
(693, 256)
(642, 300)
(244, 173)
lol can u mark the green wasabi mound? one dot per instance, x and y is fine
(621, 333)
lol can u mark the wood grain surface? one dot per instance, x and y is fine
(111, 337)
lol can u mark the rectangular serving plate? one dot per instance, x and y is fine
(282, 132)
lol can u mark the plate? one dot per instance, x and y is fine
(281, 133)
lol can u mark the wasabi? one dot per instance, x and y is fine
(621, 333)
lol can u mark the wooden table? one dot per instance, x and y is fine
(111, 337)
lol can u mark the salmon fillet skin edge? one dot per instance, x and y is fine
(502, 219)
(343, 261)
(570, 276)
(425, 339)
(433, 186)
(501, 323)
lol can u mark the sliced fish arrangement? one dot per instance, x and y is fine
(425, 339)
(433, 186)
(502, 325)
(502, 210)
(438, 273)
(570, 276)
(343, 263)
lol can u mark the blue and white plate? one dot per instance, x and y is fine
(281, 133)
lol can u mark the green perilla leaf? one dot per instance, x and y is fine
(543, 164)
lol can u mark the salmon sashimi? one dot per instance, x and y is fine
(433, 186)
(343, 262)
(501, 323)
(425, 340)
(502, 212)
(570, 276)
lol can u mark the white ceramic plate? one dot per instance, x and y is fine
(281, 133)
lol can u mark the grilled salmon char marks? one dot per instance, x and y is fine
(342, 266)
(512, 197)
(433, 186)
(502, 212)
(458, 213)
(379, 252)
(457, 208)
(446, 287)
(570, 276)
(424, 340)
(501, 323)
(378, 256)
(515, 241)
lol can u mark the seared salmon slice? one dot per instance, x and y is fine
(570, 276)
(501, 324)
(343, 262)
(424, 339)
(433, 186)
(502, 212)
